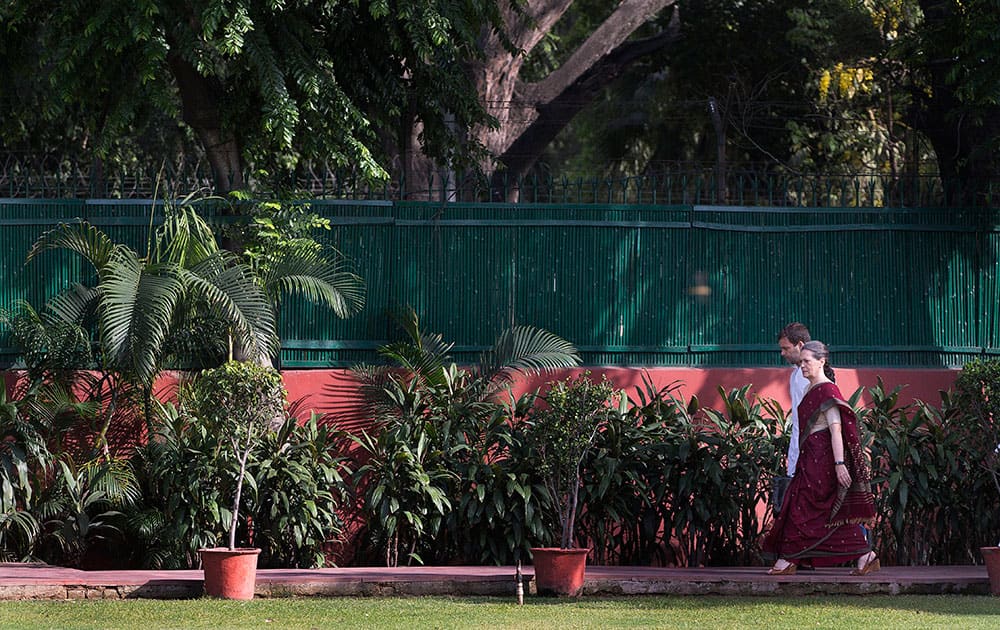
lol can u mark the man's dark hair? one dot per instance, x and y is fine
(795, 333)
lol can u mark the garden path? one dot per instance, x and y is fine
(19, 581)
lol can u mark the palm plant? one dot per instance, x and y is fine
(279, 247)
(436, 422)
(82, 506)
(140, 301)
(136, 297)
(424, 358)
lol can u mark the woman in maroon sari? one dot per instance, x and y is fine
(830, 494)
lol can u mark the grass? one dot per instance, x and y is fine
(850, 612)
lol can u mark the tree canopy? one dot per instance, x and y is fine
(255, 81)
(423, 89)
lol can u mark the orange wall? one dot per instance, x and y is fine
(328, 390)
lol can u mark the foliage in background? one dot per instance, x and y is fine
(562, 433)
(435, 424)
(257, 82)
(186, 504)
(183, 302)
(291, 510)
(929, 497)
(240, 402)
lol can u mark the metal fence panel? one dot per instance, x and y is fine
(639, 285)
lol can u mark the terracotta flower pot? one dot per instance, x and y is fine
(559, 571)
(229, 573)
(991, 556)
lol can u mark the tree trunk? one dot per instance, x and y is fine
(530, 115)
(200, 101)
(537, 112)
(955, 129)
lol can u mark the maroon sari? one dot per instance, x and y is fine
(820, 519)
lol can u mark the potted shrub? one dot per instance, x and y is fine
(561, 434)
(977, 398)
(240, 401)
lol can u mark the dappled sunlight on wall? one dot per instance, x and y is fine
(335, 392)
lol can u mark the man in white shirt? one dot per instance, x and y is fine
(790, 340)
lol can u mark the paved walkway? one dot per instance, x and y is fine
(44, 582)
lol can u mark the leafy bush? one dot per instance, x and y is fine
(298, 474)
(186, 496)
(25, 461)
(50, 508)
(926, 488)
(500, 504)
(82, 509)
(239, 402)
(959, 472)
(191, 473)
(742, 438)
(623, 482)
(977, 398)
(444, 476)
(562, 435)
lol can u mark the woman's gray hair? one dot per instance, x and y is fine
(820, 351)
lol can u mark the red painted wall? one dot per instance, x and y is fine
(330, 390)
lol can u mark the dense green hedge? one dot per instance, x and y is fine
(456, 478)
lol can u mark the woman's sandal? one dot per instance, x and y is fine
(871, 566)
(789, 570)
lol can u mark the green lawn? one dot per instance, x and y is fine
(883, 612)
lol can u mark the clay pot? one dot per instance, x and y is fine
(229, 573)
(558, 571)
(991, 556)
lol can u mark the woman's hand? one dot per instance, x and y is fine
(843, 477)
(837, 445)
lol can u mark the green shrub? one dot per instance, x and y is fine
(190, 471)
(445, 474)
(298, 474)
(670, 482)
(562, 434)
(623, 482)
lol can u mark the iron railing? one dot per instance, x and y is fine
(24, 176)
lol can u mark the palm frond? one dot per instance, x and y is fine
(233, 295)
(75, 305)
(363, 400)
(56, 407)
(83, 238)
(424, 355)
(115, 479)
(414, 359)
(17, 526)
(321, 280)
(136, 305)
(185, 238)
(528, 350)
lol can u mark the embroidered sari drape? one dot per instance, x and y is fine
(820, 518)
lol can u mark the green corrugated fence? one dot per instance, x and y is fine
(635, 285)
